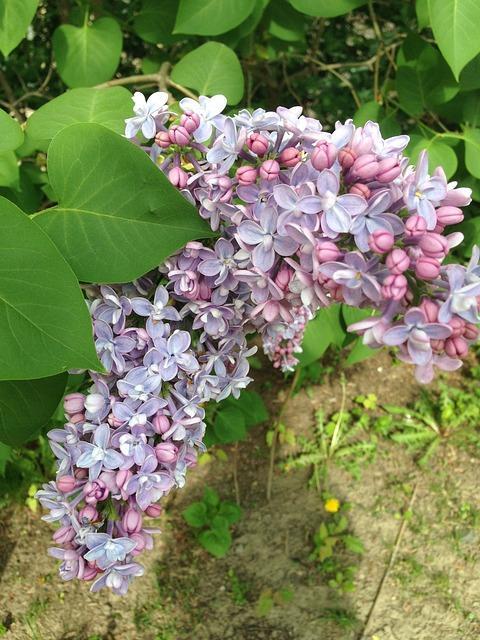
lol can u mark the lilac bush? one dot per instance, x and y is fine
(305, 218)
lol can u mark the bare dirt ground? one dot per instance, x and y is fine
(431, 592)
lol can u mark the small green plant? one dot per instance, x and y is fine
(230, 420)
(212, 518)
(3, 630)
(238, 588)
(269, 598)
(331, 540)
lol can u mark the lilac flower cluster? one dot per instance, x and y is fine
(304, 218)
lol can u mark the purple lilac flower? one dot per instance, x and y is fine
(355, 276)
(112, 308)
(337, 209)
(97, 454)
(111, 348)
(118, 577)
(424, 192)
(149, 485)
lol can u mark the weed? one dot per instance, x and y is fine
(344, 618)
(238, 588)
(269, 598)
(212, 519)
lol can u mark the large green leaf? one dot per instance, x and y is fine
(104, 106)
(27, 405)
(211, 17)
(284, 22)
(11, 134)
(325, 329)
(45, 326)
(118, 215)
(15, 16)
(89, 54)
(439, 153)
(156, 20)
(470, 76)
(326, 8)
(211, 68)
(472, 150)
(454, 24)
(9, 170)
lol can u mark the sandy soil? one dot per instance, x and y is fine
(432, 591)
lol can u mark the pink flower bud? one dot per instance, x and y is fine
(360, 189)
(456, 347)
(434, 245)
(430, 309)
(398, 261)
(141, 543)
(179, 135)
(324, 155)
(161, 424)
(346, 157)
(438, 345)
(162, 139)
(365, 167)
(439, 228)
(246, 175)
(76, 418)
(95, 491)
(283, 277)
(394, 287)
(388, 170)
(74, 403)
(458, 326)
(327, 251)
(427, 268)
(166, 452)
(415, 226)
(449, 215)
(65, 484)
(190, 121)
(89, 513)
(81, 474)
(258, 144)
(153, 510)
(381, 241)
(270, 170)
(132, 521)
(64, 534)
(89, 573)
(290, 157)
(122, 477)
(271, 310)
(470, 332)
(178, 177)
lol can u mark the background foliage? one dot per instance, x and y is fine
(66, 75)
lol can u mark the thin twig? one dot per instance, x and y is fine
(393, 555)
(10, 96)
(275, 432)
(235, 474)
(160, 78)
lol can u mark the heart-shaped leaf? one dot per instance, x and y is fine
(211, 68)
(27, 405)
(89, 54)
(211, 17)
(109, 107)
(11, 134)
(439, 153)
(326, 8)
(15, 16)
(45, 326)
(453, 25)
(118, 215)
(156, 20)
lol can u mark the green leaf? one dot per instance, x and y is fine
(211, 17)
(423, 17)
(359, 352)
(5, 453)
(89, 54)
(108, 107)
(472, 150)
(216, 541)
(118, 215)
(453, 24)
(210, 497)
(230, 511)
(325, 329)
(326, 8)
(156, 20)
(27, 405)
(368, 111)
(11, 134)
(233, 37)
(45, 326)
(9, 170)
(285, 23)
(251, 404)
(195, 514)
(230, 425)
(439, 153)
(210, 69)
(15, 16)
(470, 76)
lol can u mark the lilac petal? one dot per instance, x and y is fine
(426, 209)
(419, 350)
(379, 203)
(285, 246)
(435, 189)
(415, 316)
(101, 436)
(161, 296)
(263, 258)
(437, 331)
(310, 204)
(396, 335)
(113, 459)
(338, 219)
(210, 267)
(327, 182)
(124, 344)
(149, 465)
(103, 330)
(285, 196)
(371, 288)
(179, 342)
(141, 306)
(250, 232)
(352, 203)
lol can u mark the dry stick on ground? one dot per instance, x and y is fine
(275, 432)
(393, 555)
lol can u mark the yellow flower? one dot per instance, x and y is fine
(332, 505)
